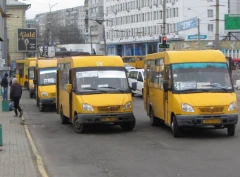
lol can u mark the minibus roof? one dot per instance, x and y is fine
(47, 63)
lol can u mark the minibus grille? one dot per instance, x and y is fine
(211, 109)
(109, 108)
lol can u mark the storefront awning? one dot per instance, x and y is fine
(236, 59)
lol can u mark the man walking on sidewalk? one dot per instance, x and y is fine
(15, 95)
(4, 84)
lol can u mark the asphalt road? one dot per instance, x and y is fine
(107, 151)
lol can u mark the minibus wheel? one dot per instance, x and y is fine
(231, 129)
(175, 128)
(64, 119)
(30, 95)
(153, 119)
(78, 128)
(128, 126)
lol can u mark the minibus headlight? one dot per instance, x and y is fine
(232, 106)
(87, 107)
(187, 108)
(128, 105)
(44, 94)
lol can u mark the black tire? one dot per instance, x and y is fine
(41, 108)
(153, 120)
(78, 128)
(175, 128)
(128, 126)
(64, 119)
(231, 130)
(26, 85)
(133, 94)
(31, 95)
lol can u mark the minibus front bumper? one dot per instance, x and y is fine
(47, 101)
(105, 118)
(204, 120)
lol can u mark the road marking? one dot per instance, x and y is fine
(35, 152)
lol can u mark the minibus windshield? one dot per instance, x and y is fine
(47, 76)
(201, 77)
(103, 81)
(31, 73)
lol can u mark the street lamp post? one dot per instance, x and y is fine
(198, 21)
(50, 23)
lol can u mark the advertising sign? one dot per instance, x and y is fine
(27, 40)
(188, 24)
(232, 22)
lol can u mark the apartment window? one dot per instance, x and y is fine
(210, 27)
(210, 13)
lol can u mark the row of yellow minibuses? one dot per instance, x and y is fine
(182, 89)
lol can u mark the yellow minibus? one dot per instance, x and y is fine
(189, 89)
(45, 83)
(94, 90)
(135, 61)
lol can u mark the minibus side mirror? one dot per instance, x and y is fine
(69, 88)
(165, 86)
(35, 81)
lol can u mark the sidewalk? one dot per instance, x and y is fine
(16, 159)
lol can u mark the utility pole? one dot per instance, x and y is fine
(164, 17)
(91, 39)
(50, 23)
(217, 45)
(199, 33)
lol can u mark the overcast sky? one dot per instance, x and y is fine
(41, 6)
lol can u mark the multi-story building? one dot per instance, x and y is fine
(16, 20)
(133, 27)
(3, 39)
(234, 8)
(71, 18)
(94, 29)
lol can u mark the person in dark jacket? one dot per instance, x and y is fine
(4, 84)
(15, 95)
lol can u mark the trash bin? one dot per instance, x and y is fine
(5, 105)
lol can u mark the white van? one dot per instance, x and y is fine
(135, 79)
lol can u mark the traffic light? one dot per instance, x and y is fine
(164, 41)
(163, 44)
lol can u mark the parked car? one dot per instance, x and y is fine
(135, 79)
(128, 67)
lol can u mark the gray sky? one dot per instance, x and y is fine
(41, 6)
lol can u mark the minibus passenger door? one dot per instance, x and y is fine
(166, 81)
(58, 90)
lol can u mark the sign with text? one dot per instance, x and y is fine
(27, 40)
(196, 36)
(232, 22)
(188, 24)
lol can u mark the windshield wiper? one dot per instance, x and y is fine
(115, 88)
(194, 90)
(217, 86)
(94, 89)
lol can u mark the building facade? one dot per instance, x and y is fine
(16, 20)
(3, 32)
(133, 27)
(71, 18)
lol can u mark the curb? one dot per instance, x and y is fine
(39, 160)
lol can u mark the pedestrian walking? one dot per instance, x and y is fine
(4, 84)
(15, 95)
